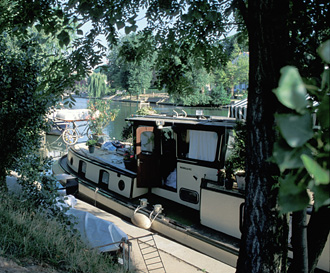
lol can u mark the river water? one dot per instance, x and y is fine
(56, 147)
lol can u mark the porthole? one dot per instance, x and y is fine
(121, 185)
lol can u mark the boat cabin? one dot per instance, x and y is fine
(175, 154)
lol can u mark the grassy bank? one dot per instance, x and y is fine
(28, 235)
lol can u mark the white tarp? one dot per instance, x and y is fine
(94, 231)
(97, 232)
(72, 114)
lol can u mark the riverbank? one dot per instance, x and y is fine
(158, 99)
(31, 242)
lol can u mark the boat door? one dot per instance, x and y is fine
(147, 153)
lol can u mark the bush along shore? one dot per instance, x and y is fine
(28, 236)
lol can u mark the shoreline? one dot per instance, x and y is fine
(154, 99)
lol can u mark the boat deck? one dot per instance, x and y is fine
(177, 216)
(102, 156)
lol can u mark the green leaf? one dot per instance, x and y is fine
(291, 91)
(132, 19)
(324, 51)
(130, 29)
(212, 16)
(196, 14)
(64, 38)
(120, 25)
(39, 27)
(323, 113)
(187, 17)
(295, 129)
(286, 157)
(320, 175)
(321, 196)
(292, 196)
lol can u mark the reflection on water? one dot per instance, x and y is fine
(55, 146)
(114, 129)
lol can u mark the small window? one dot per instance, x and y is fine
(230, 145)
(189, 196)
(147, 141)
(105, 177)
(82, 168)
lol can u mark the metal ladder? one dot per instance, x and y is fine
(150, 253)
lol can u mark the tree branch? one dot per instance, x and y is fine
(241, 7)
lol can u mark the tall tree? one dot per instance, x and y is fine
(140, 76)
(235, 71)
(127, 68)
(139, 65)
(30, 85)
(97, 85)
(264, 231)
(276, 23)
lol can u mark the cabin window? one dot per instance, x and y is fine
(105, 177)
(189, 196)
(230, 145)
(82, 168)
(200, 145)
(147, 142)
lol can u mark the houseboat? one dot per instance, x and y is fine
(169, 181)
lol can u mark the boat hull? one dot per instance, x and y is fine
(225, 253)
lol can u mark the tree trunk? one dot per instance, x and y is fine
(299, 243)
(264, 238)
(232, 91)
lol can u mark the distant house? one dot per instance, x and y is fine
(242, 86)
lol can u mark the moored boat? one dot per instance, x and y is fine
(60, 119)
(173, 186)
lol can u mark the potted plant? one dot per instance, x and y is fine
(91, 145)
(221, 177)
(235, 163)
(129, 160)
(101, 115)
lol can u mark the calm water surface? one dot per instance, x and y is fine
(56, 147)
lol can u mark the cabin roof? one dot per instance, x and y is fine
(181, 120)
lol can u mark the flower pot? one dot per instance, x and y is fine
(91, 148)
(240, 179)
(221, 177)
(229, 184)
